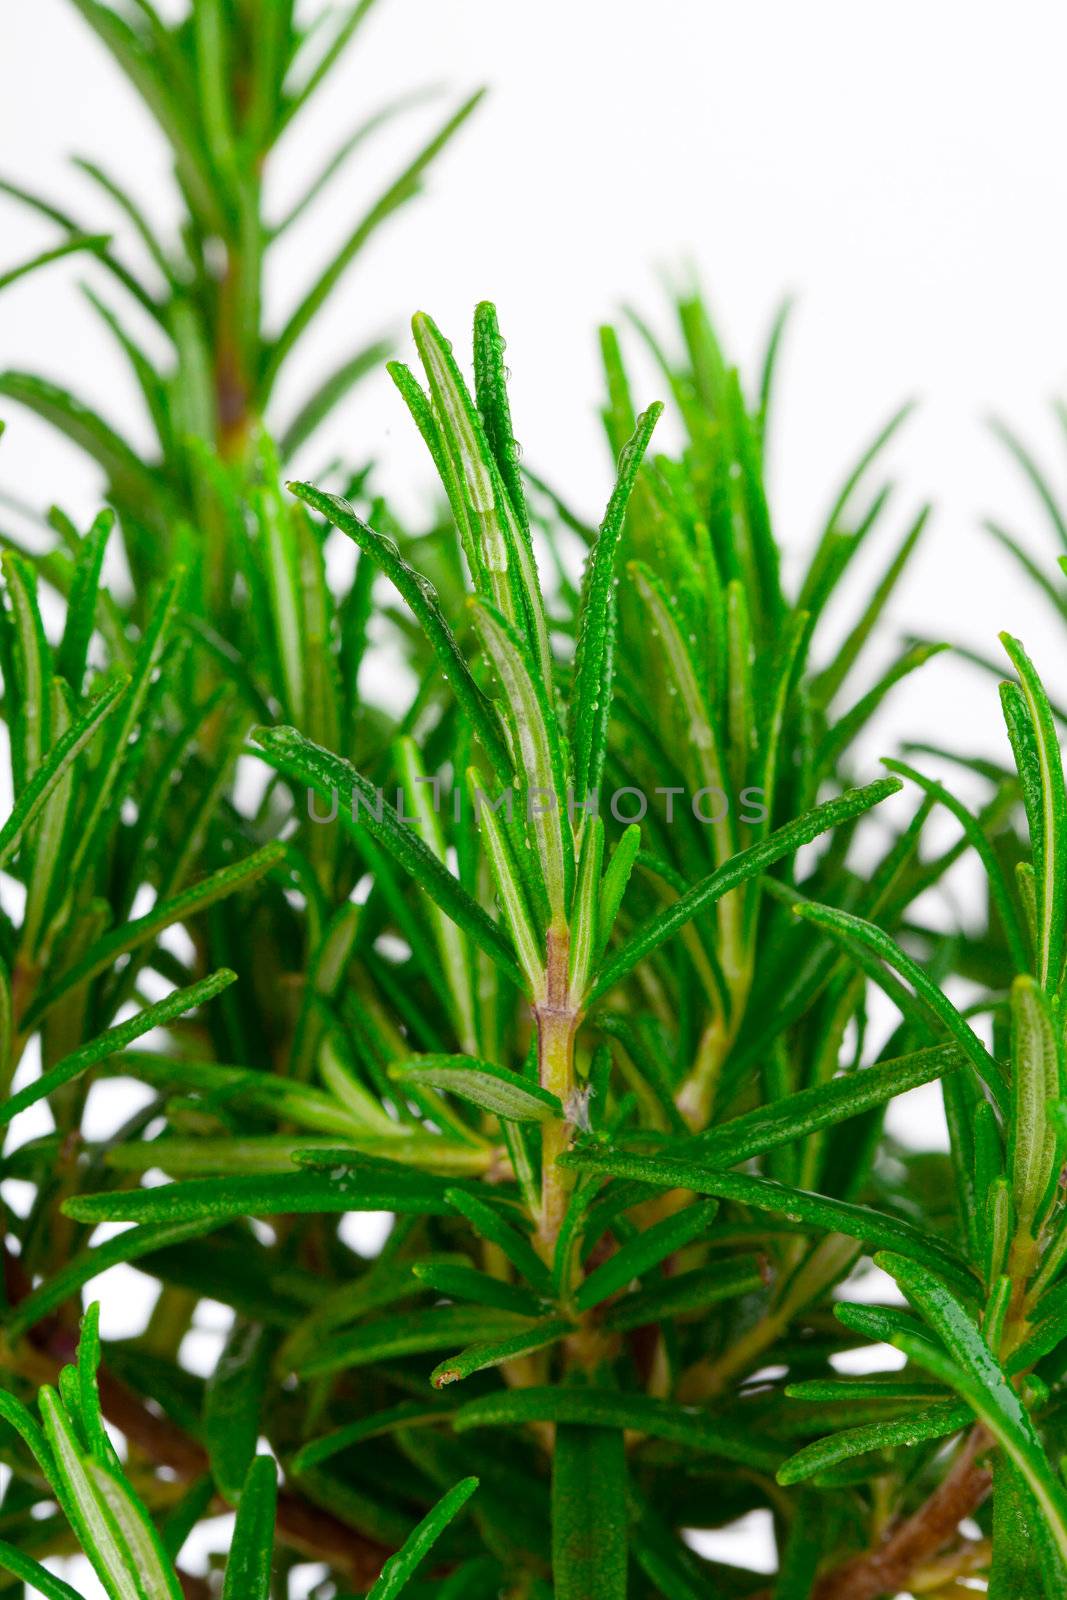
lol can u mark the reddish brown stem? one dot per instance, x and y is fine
(888, 1569)
(304, 1527)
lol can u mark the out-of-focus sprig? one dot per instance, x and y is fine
(224, 83)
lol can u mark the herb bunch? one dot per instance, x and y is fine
(481, 1078)
(567, 967)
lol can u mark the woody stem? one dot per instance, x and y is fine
(557, 1019)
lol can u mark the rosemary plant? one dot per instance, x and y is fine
(567, 969)
(489, 1046)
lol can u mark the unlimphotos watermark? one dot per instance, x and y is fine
(709, 805)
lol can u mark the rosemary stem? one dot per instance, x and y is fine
(557, 1020)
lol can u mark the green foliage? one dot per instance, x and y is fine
(224, 83)
(985, 1346)
(536, 1033)
(569, 1005)
(566, 965)
(113, 1527)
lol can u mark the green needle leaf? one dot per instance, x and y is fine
(335, 779)
(63, 219)
(594, 652)
(116, 1039)
(616, 877)
(873, 450)
(112, 1527)
(417, 1333)
(493, 530)
(1038, 479)
(690, 1426)
(464, 1283)
(390, 200)
(32, 1573)
(375, 1186)
(327, 393)
(977, 837)
(401, 1568)
(494, 1352)
(409, 1413)
(644, 1252)
(852, 722)
(87, 1265)
(1024, 1559)
(737, 870)
(971, 1368)
(73, 652)
(1035, 1086)
(538, 757)
(31, 703)
(822, 1106)
(1050, 849)
(935, 1422)
(248, 1569)
(234, 1406)
(489, 1224)
(127, 473)
(589, 1514)
(830, 680)
(861, 937)
(510, 888)
(872, 1228)
(497, 1089)
(421, 596)
(95, 242)
(58, 762)
(103, 955)
(491, 391)
(684, 1293)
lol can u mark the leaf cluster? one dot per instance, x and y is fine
(567, 966)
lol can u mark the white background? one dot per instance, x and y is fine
(899, 169)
